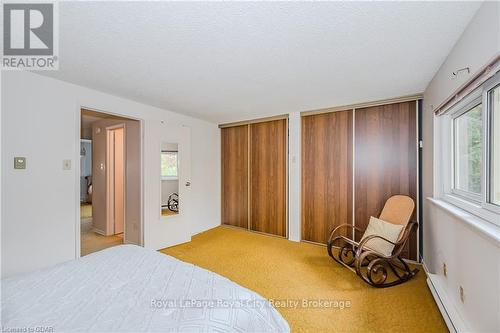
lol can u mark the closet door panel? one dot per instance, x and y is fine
(385, 161)
(326, 174)
(234, 169)
(268, 177)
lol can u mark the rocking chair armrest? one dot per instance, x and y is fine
(348, 240)
(342, 226)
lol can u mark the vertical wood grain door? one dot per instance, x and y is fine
(268, 177)
(385, 160)
(326, 174)
(235, 177)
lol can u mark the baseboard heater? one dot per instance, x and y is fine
(450, 315)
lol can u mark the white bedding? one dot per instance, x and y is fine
(129, 288)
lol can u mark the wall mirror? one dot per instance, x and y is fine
(169, 179)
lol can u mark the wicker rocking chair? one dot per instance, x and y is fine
(369, 264)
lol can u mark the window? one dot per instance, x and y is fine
(470, 152)
(169, 165)
(494, 157)
(467, 137)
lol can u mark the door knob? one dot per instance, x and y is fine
(188, 183)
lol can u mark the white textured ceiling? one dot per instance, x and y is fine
(228, 61)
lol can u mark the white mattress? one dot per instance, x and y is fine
(129, 288)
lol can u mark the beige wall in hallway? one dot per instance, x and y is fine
(132, 178)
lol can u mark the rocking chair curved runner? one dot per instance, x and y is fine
(372, 265)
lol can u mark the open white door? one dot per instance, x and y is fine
(168, 183)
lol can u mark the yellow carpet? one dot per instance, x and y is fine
(167, 212)
(85, 210)
(279, 269)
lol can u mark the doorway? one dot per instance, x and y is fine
(110, 181)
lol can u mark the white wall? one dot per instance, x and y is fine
(473, 261)
(40, 204)
(294, 177)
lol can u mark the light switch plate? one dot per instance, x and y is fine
(66, 164)
(19, 162)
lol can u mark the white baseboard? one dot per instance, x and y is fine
(450, 315)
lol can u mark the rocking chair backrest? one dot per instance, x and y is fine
(398, 210)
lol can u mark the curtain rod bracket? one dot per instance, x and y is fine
(458, 71)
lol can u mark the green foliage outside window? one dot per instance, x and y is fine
(468, 150)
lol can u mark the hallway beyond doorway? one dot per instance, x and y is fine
(93, 242)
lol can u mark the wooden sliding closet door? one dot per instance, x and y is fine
(268, 152)
(234, 167)
(326, 174)
(385, 160)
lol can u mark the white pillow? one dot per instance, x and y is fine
(385, 229)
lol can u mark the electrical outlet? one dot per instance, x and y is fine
(462, 295)
(445, 270)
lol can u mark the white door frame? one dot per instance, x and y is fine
(78, 113)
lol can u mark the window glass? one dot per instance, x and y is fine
(468, 131)
(494, 96)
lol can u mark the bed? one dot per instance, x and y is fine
(131, 289)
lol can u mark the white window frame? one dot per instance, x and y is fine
(489, 86)
(177, 159)
(478, 205)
